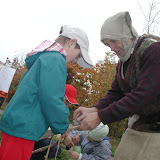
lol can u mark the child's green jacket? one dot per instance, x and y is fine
(39, 99)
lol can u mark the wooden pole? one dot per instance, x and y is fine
(43, 148)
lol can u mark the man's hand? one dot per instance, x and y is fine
(73, 155)
(82, 112)
(90, 122)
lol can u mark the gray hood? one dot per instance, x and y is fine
(119, 27)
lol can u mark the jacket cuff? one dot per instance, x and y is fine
(80, 156)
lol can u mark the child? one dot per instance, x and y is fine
(94, 144)
(69, 99)
(39, 100)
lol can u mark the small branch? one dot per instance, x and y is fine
(43, 148)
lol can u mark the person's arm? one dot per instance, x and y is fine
(148, 88)
(51, 91)
(100, 151)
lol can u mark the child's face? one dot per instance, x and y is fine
(73, 53)
(67, 103)
(90, 139)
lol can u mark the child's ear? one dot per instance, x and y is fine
(73, 41)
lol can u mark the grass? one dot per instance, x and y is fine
(114, 144)
(63, 156)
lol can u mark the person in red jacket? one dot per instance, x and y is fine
(135, 91)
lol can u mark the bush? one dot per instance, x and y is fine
(117, 129)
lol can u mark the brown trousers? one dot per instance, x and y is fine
(137, 145)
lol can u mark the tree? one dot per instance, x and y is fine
(152, 17)
(20, 69)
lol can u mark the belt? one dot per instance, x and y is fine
(147, 127)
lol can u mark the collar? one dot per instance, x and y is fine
(48, 45)
(134, 44)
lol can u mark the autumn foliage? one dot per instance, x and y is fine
(91, 84)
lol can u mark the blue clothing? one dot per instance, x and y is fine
(92, 150)
(40, 155)
(39, 99)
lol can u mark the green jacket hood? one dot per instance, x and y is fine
(29, 61)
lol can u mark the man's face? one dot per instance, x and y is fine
(115, 45)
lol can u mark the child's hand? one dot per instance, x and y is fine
(68, 142)
(66, 133)
(75, 139)
(73, 155)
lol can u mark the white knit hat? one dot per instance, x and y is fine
(99, 133)
(82, 40)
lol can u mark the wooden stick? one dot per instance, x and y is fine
(43, 148)
(46, 157)
(58, 147)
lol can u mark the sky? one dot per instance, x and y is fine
(24, 24)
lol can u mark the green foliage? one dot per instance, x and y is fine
(63, 156)
(93, 84)
(114, 141)
(117, 129)
(19, 72)
(20, 69)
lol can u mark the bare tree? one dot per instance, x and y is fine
(152, 17)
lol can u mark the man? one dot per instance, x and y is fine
(135, 92)
(69, 99)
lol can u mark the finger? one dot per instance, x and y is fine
(81, 117)
(76, 114)
(83, 126)
(79, 128)
(70, 152)
(72, 144)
